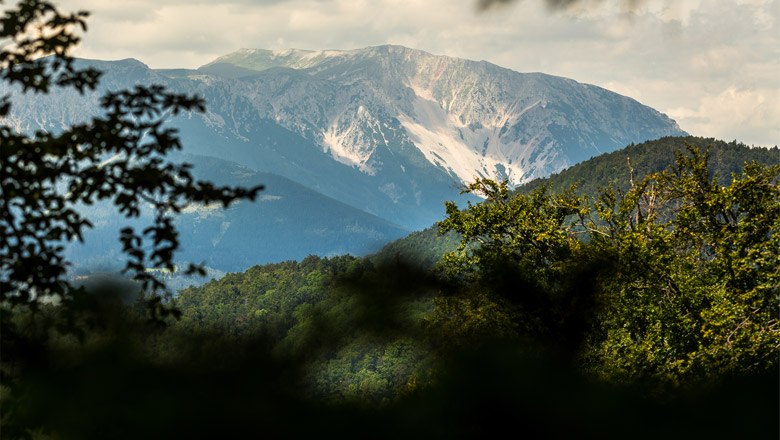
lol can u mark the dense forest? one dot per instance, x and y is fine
(670, 282)
(616, 168)
(552, 313)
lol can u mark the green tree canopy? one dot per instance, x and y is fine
(118, 156)
(684, 270)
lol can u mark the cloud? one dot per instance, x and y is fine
(750, 116)
(559, 5)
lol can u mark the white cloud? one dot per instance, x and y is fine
(750, 116)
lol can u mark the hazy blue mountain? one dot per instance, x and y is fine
(389, 130)
(288, 222)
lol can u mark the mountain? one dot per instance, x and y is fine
(469, 118)
(287, 222)
(389, 130)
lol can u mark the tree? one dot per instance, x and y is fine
(684, 271)
(533, 230)
(695, 293)
(516, 257)
(119, 157)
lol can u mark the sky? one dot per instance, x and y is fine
(712, 65)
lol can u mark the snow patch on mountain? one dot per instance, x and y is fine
(347, 141)
(449, 141)
(205, 210)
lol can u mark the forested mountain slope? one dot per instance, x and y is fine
(426, 247)
(645, 302)
(649, 157)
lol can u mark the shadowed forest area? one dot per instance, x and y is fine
(645, 307)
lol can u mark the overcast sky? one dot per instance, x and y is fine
(712, 65)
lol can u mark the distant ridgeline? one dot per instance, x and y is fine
(649, 157)
(387, 130)
(300, 303)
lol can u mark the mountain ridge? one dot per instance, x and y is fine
(287, 222)
(389, 130)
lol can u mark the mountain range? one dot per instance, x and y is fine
(387, 130)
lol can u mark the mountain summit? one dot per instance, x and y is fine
(466, 117)
(389, 130)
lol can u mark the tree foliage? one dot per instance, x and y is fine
(118, 156)
(684, 270)
(517, 256)
(696, 291)
(533, 231)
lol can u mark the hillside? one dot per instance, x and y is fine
(427, 246)
(375, 330)
(649, 157)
